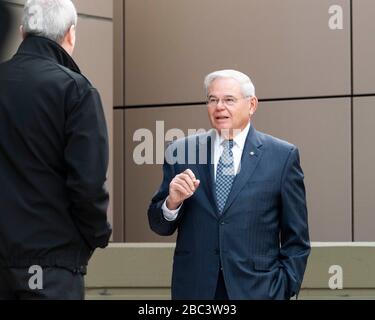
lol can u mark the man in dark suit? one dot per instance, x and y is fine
(237, 198)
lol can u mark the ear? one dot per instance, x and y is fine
(71, 36)
(69, 40)
(22, 33)
(253, 105)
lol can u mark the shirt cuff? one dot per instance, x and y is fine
(170, 215)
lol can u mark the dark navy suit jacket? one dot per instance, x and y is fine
(261, 240)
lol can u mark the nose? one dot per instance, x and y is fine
(220, 104)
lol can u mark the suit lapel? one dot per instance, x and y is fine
(207, 169)
(251, 156)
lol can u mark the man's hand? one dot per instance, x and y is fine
(182, 187)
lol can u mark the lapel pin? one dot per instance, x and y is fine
(252, 153)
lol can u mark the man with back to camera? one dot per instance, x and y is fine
(53, 161)
(241, 213)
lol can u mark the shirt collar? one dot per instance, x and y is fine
(239, 139)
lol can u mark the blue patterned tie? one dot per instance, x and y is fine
(224, 175)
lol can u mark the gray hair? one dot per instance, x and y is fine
(49, 18)
(247, 87)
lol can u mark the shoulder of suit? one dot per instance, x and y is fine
(192, 140)
(273, 142)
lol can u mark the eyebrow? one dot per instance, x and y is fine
(226, 96)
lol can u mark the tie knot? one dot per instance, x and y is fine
(228, 144)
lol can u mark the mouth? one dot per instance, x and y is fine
(220, 118)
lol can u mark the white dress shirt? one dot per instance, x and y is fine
(238, 146)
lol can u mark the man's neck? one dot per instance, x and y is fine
(232, 134)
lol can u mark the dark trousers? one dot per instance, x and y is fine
(221, 290)
(57, 284)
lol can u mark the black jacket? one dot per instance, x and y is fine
(53, 160)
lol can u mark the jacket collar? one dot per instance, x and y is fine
(47, 49)
(251, 156)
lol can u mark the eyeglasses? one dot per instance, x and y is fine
(228, 101)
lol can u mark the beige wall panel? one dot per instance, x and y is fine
(118, 53)
(95, 62)
(321, 130)
(100, 8)
(364, 176)
(142, 181)
(285, 46)
(118, 177)
(364, 46)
